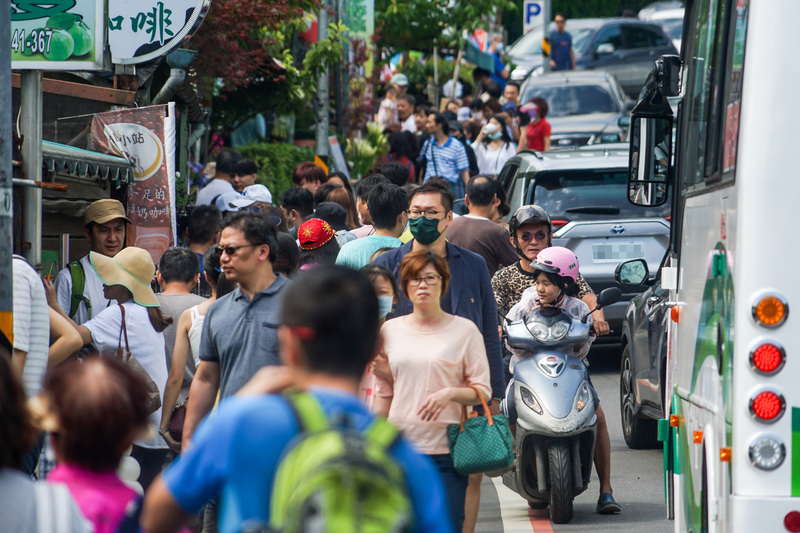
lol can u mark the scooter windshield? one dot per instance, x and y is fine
(548, 324)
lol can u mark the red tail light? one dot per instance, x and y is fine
(559, 223)
(767, 406)
(767, 358)
(669, 219)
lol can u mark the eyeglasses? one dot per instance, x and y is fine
(430, 213)
(231, 250)
(539, 236)
(428, 280)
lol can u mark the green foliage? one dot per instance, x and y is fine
(276, 163)
(418, 72)
(361, 156)
(377, 139)
(415, 24)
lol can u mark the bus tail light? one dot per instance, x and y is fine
(770, 310)
(767, 406)
(767, 452)
(792, 521)
(767, 358)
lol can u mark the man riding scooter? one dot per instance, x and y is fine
(530, 233)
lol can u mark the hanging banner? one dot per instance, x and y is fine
(141, 30)
(359, 17)
(146, 138)
(57, 34)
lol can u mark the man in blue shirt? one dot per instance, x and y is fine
(329, 333)
(562, 57)
(446, 156)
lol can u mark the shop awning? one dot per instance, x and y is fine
(79, 163)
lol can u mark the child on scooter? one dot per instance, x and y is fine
(555, 286)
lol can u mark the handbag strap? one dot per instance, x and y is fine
(485, 410)
(123, 332)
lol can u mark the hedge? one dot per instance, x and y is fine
(276, 163)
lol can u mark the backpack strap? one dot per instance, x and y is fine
(382, 433)
(78, 285)
(308, 411)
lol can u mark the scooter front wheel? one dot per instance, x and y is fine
(560, 482)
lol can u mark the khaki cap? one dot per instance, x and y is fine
(103, 211)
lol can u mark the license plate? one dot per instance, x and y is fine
(616, 252)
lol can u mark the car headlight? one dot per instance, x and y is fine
(583, 397)
(530, 400)
(538, 71)
(559, 330)
(767, 452)
(539, 331)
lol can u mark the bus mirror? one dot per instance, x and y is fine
(650, 160)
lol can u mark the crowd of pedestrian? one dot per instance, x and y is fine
(171, 382)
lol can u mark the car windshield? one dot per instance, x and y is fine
(567, 100)
(579, 39)
(589, 195)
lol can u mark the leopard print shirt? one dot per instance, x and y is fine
(510, 282)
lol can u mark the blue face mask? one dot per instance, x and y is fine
(385, 304)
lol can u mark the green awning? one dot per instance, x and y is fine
(79, 163)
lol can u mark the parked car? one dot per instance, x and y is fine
(643, 365)
(624, 47)
(671, 21)
(583, 107)
(661, 5)
(585, 192)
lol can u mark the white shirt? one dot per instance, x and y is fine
(146, 345)
(31, 324)
(195, 334)
(490, 162)
(409, 124)
(92, 289)
(213, 189)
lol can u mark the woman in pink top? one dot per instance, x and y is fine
(435, 358)
(97, 408)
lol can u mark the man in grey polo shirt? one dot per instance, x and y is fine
(240, 329)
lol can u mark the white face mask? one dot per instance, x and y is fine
(385, 304)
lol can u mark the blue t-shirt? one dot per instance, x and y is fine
(358, 253)
(498, 68)
(560, 46)
(235, 454)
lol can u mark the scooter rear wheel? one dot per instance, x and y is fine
(561, 493)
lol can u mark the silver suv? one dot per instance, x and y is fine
(585, 193)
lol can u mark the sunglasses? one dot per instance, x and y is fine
(528, 237)
(231, 250)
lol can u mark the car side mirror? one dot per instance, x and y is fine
(633, 272)
(605, 49)
(650, 160)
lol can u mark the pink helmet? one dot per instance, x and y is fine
(557, 260)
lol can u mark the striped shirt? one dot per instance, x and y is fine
(31, 324)
(446, 160)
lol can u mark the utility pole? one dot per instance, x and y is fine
(6, 153)
(31, 125)
(323, 92)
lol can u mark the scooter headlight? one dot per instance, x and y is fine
(539, 331)
(530, 400)
(559, 330)
(583, 397)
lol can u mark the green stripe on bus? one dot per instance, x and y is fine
(795, 451)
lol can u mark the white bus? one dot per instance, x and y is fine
(731, 430)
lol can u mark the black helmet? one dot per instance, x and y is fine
(529, 214)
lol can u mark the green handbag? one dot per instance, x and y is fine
(480, 444)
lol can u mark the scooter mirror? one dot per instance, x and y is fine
(608, 297)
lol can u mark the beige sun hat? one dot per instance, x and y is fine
(103, 211)
(132, 268)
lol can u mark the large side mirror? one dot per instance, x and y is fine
(605, 49)
(650, 160)
(633, 272)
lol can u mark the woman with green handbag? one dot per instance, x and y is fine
(438, 364)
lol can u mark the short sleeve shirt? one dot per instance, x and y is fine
(560, 46)
(447, 160)
(358, 253)
(242, 334)
(146, 344)
(92, 290)
(236, 451)
(31, 324)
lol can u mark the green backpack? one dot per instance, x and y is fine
(334, 479)
(78, 284)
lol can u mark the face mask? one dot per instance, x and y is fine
(384, 305)
(498, 47)
(495, 136)
(425, 230)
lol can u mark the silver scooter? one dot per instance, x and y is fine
(556, 422)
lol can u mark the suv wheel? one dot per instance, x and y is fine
(639, 433)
